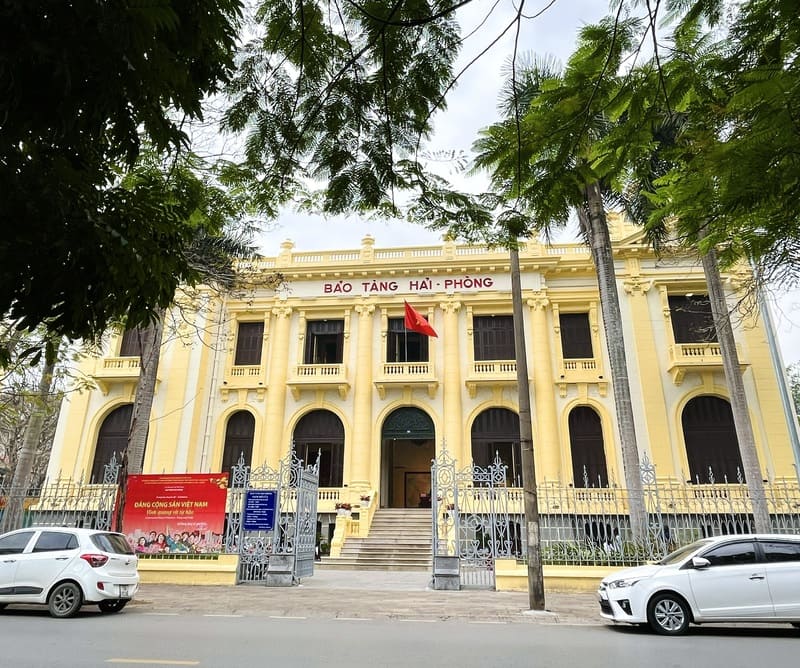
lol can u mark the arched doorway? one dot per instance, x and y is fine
(712, 448)
(239, 434)
(587, 449)
(112, 439)
(320, 433)
(495, 432)
(408, 444)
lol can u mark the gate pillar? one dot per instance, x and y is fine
(446, 573)
(280, 571)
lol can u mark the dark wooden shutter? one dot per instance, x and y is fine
(711, 444)
(586, 446)
(493, 337)
(692, 321)
(131, 345)
(239, 435)
(249, 343)
(576, 336)
(112, 439)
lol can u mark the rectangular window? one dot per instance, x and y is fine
(576, 336)
(324, 342)
(249, 343)
(692, 321)
(403, 345)
(493, 337)
(131, 345)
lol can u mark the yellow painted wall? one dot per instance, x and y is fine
(199, 387)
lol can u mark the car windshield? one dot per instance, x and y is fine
(112, 542)
(682, 552)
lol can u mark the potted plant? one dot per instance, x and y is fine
(365, 500)
(343, 508)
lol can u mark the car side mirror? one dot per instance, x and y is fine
(700, 563)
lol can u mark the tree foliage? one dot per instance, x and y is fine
(89, 237)
(340, 93)
(735, 179)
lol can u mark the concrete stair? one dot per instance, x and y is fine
(399, 540)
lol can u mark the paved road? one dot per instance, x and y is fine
(367, 595)
(135, 638)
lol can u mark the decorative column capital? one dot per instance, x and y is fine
(539, 302)
(281, 312)
(364, 310)
(450, 306)
(637, 286)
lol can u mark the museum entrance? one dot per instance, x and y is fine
(408, 444)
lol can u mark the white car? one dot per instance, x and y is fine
(64, 568)
(737, 578)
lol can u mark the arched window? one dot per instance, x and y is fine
(496, 432)
(112, 439)
(712, 448)
(321, 433)
(586, 446)
(238, 441)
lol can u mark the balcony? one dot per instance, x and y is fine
(111, 370)
(318, 377)
(700, 357)
(491, 373)
(581, 370)
(406, 374)
(245, 377)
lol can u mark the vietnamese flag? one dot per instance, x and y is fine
(416, 322)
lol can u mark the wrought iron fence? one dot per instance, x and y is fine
(60, 501)
(478, 518)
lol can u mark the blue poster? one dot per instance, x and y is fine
(259, 509)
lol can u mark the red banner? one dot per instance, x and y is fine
(175, 513)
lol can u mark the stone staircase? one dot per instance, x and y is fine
(399, 540)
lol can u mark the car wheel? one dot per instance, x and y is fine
(65, 600)
(112, 605)
(668, 614)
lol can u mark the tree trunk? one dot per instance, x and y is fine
(133, 457)
(535, 574)
(596, 228)
(13, 513)
(145, 392)
(733, 377)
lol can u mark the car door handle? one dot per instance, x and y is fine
(62, 558)
(757, 576)
(9, 561)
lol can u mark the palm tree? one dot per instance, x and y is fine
(676, 137)
(543, 159)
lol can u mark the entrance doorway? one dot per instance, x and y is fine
(408, 444)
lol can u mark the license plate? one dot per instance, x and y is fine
(123, 591)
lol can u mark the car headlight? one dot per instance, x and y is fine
(621, 584)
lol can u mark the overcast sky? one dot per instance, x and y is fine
(551, 30)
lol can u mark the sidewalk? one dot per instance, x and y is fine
(366, 595)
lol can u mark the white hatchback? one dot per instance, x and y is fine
(64, 568)
(739, 578)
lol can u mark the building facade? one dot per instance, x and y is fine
(325, 366)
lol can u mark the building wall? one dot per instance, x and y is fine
(199, 386)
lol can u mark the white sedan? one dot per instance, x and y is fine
(737, 578)
(64, 568)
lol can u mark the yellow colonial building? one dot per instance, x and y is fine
(325, 365)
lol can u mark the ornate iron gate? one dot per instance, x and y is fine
(471, 518)
(294, 531)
